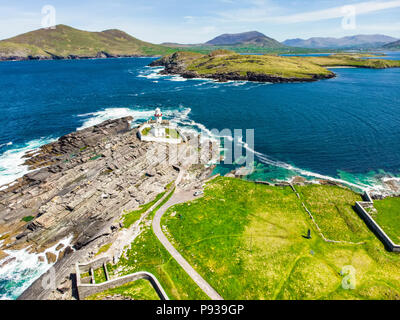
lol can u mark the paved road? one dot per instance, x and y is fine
(179, 197)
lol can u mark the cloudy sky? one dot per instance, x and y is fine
(195, 21)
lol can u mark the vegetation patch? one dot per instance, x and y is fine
(104, 249)
(249, 241)
(100, 275)
(137, 290)
(387, 215)
(27, 218)
(146, 253)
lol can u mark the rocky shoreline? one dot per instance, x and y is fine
(100, 55)
(80, 187)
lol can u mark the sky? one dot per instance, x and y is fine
(197, 21)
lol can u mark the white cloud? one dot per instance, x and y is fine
(337, 12)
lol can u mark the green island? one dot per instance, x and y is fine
(137, 290)
(250, 241)
(224, 65)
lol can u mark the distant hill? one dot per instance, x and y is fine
(252, 38)
(392, 45)
(67, 42)
(358, 41)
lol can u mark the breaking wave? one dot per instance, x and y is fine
(11, 161)
(21, 268)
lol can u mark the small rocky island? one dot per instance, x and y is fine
(225, 65)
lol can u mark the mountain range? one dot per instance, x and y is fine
(392, 45)
(352, 42)
(251, 38)
(64, 42)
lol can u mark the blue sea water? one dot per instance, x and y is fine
(346, 128)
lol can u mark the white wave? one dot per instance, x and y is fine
(23, 269)
(11, 161)
(6, 144)
(98, 117)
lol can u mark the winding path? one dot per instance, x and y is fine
(178, 197)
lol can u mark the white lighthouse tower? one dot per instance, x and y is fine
(159, 130)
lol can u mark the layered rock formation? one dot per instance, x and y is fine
(81, 186)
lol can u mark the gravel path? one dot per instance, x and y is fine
(179, 197)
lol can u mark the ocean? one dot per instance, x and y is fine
(346, 128)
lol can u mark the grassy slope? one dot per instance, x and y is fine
(223, 62)
(387, 216)
(64, 41)
(351, 61)
(247, 241)
(137, 290)
(146, 253)
(266, 64)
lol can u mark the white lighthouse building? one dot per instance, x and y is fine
(158, 130)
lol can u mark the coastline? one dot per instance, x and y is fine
(16, 59)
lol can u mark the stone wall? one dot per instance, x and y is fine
(161, 140)
(85, 289)
(360, 208)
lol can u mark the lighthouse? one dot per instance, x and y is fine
(158, 115)
(159, 130)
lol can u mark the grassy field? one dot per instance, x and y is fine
(137, 290)
(352, 61)
(387, 215)
(147, 254)
(249, 242)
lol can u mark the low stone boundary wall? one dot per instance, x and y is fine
(161, 140)
(360, 208)
(85, 290)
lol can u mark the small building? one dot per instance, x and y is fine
(160, 130)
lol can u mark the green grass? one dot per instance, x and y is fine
(133, 216)
(247, 240)
(104, 249)
(300, 68)
(275, 66)
(388, 217)
(172, 133)
(65, 41)
(332, 209)
(137, 290)
(100, 275)
(27, 218)
(352, 61)
(147, 254)
(85, 275)
(146, 131)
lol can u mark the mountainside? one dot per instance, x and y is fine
(357, 41)
(67, 42)
(246, 38)
(392, 45)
